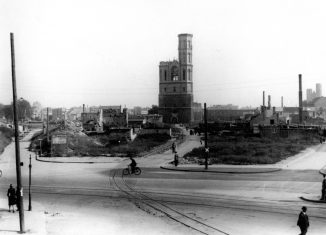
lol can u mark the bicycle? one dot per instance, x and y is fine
(127, 171)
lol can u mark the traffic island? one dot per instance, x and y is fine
(223, 170)
(315, 200)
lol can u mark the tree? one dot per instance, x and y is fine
(8, 112)
(153, 110)
(24, 110)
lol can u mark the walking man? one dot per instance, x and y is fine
(323, 189)
(303, 221)
(173, 148)
(11, 194)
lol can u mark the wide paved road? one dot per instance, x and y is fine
(79, 198)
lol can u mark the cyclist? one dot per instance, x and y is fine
(132, 165)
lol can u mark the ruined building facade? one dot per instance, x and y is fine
(176, 103)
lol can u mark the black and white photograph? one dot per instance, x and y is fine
(152, 117)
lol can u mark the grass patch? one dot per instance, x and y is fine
(83, 145)
(251, 150)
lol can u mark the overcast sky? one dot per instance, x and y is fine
(70, 53)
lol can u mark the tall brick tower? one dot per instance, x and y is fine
(176, 85)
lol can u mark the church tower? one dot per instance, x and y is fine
(176, 85)
(185, 60)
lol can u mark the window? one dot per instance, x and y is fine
(174, 73)
(174, 89)
(189, 57)
(165, 75)
(184, 74)
(164, 89)
(184, 89)
(189, 74)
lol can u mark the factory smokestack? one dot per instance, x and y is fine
(83, 108)
(282, 101)
(263, 98)
(300, 99)
(269, 102)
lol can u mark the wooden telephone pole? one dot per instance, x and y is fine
(20, 200)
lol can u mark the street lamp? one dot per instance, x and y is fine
(30, 182)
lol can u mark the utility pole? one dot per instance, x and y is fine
(18, 172)
(206, 148)
(300, 99)
(30, 182)
(47, 125)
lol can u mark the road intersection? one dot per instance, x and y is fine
(85, 198)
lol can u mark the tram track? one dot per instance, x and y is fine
(171, 213)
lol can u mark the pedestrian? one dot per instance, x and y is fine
(176, 159)
(323, 189)
(173, 148)
(11, 194)
(303, 221)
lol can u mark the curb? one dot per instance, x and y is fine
(322, 171)
(223, 172)
(51, 161)
(312, 200)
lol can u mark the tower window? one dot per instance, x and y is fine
(189, 74)
(165, 75)
(174, 73)
(184, 74)
(189, 57)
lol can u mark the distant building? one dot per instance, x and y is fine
(37, 110)
(105, 118)
(176, 103)
(318, 90)
(228, 115)
(137, 110)
(90, 121)
(113, 117)
(224, 107)
(311, 94)
(57, 114)
(74, 113)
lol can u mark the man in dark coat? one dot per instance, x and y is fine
(323, 189)
(303, 221)
(11, 194)
(132, 165)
